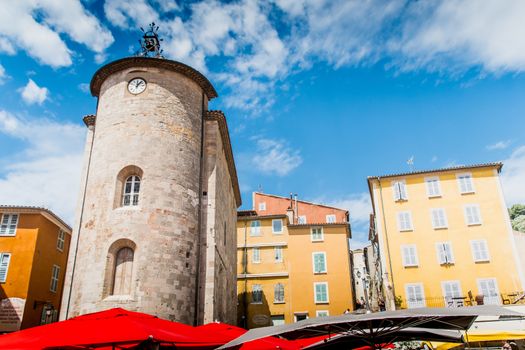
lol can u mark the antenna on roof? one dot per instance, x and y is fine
(410, 163)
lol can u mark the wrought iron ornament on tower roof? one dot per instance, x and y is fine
(150, 42)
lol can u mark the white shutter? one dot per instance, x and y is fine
(465, 183)
(5, 258)
(397, 190)
(479, 250)
(489, 289)
(404, 221)
(472, 214)
(409, 255)
(414, 295)
(433, 188)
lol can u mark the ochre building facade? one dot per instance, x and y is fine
(293, 261)
(34, 245)
(445, 238)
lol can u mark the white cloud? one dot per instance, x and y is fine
(3, 75)
(358, 205)
(275, 157)
(32, 93)
(258, 49)
(512, 177)
(35, 27)
(48, 169)
(84, 87)
(499, 145)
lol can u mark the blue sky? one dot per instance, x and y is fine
(318, 95)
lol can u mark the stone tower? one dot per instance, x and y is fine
(155, 224)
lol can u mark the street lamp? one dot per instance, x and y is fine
(365, 279)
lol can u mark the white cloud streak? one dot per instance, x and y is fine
(512, 177)
(3, 75)
(273, 157)
(35, 27)
(499, 145)
(33, 94)
(47, 172)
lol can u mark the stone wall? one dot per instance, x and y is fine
(158, 131)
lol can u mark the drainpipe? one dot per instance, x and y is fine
(199, 220)
(386, 238)
(245, 272)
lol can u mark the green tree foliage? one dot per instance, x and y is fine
(517, 217)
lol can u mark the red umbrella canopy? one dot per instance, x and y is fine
(114, 326)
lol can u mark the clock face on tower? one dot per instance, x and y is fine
(136, 86)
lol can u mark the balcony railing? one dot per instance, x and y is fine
(511, 298)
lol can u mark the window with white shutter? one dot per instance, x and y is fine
(488, 287)
(409, 253)
(399, 190)
(278, 254)
(480, 251)
(301, 220)
(452, 293)
(319, 262)
(404, 221)
(439, 218)
(433, 186)
(415, 295)
(444, 253)
(8, 224)
(262, 206)
(255, 228)
(278, 293)
(472, 214)
(256, 255)
(61, 239)
(465, 183)
(55, 273)
(5, 258)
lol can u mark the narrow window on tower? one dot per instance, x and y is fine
(130, 194)
(123, 270)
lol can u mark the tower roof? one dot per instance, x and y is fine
(129, 62)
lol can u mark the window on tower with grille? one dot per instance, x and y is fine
(400, 190)
(130, 195)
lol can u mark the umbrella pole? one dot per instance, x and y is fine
(466, 338)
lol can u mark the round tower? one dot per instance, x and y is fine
(139, 211)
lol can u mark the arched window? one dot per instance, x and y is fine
(130, 194)
(278, 292)
(123, 270)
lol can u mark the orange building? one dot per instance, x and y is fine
(34, 245)
(293, 261)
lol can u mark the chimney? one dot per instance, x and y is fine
(289, 214)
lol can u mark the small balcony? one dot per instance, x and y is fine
(510, 298)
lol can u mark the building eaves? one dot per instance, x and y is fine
(28, 209)
(498, 165)
(220, 118)
(300, 201)
(259, 217)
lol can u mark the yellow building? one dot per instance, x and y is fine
(293, 261)
(34, 245)
(445, 237)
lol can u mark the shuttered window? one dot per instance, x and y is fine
(480, 251)
(399, 190)
(472, 214)
(256, 255)
(404, 221)
(415, 295)
(317, 234)
(278, 293)
(319, 262)
(8, 224)
(444, 253)
(257, 294)
(278, 254)
(55, 273)
(433, 187)
(409, 253)
(5, 258)
(255, 228)
(438, 217)
(330, 218)
(321, 292)
(465, 183)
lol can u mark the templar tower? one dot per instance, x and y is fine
(155, 225)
